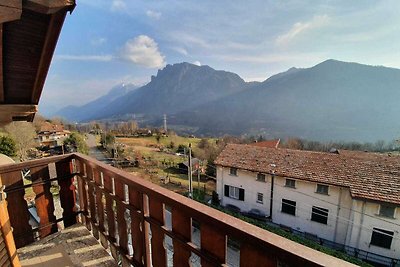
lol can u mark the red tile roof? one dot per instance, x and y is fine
(267, 143)
(369, 176)
(49, 127)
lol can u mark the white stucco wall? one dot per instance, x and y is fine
(247, 181)
(344, 218)
(305, 196)
(359, 235)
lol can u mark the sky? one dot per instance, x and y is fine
(108, 42)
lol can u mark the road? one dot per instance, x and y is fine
(94, 151)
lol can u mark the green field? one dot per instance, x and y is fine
(160, 160)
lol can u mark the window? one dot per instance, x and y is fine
(319, 215)
(288, 206)
(387, 211)
(322, 189)
(260, 198)
(290, 183)
(233, 171)
(260, 177)
(234, 192)
(381, 238)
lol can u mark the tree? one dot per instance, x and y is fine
(107, 139)
(77, 141)
(203, 144)
(7, 146)
(24, 136)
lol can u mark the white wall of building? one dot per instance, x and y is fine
(248, 181)
(365, 217)
(345, 213)
(306, 197)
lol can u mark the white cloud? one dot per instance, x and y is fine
(98, 41)
(101, 58)
(118, 5)
(197, 63)
(153, 14)
(300, 28)
(181, 50)
(143, 50)
(274, 58)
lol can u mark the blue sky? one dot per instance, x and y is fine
(108, 42)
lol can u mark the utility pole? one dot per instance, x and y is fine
(190, 172)
(165, 123)
(198, 176)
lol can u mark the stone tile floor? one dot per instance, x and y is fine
(74, 246)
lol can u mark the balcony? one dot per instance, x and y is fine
(139, 223)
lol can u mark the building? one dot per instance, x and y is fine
(52, 135)
(184, 166)
(348, 198)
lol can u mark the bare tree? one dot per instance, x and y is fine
(24, 135)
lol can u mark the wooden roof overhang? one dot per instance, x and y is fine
(29, 30)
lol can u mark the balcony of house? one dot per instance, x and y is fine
(86, 213)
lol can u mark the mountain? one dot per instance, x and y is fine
(333, 100)
(175, 88)
(92, 109)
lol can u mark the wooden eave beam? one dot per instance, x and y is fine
(8, 113)
(48, 6)
(53, 32)
(1, 65)
(10, 10)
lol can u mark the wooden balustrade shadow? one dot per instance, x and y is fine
(73, 246)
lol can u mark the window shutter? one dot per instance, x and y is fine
(241, 194)
(227, 190)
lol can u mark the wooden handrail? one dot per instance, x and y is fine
(107, 195)
(240, 230)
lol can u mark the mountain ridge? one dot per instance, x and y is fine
(333, 100)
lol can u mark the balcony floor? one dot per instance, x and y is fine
(74, 246)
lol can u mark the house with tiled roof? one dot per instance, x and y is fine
(52, 135)
(350, 198)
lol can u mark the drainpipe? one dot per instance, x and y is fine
(272, 195)
(361, 224)
(337, 215)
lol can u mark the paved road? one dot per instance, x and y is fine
(94, 151)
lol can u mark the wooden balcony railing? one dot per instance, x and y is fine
(141, 223)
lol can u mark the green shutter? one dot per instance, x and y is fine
(227, 190)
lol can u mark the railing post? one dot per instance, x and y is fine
(92, 200)
(122, 225)
(109, 207)
(181, 225)
(254, 256)
(44, 200)
(214, 245)
(137, 227)
(19, 217)
(156, 213)
(65, 177)
(82, 191)
(6, 234)
(100, 206)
